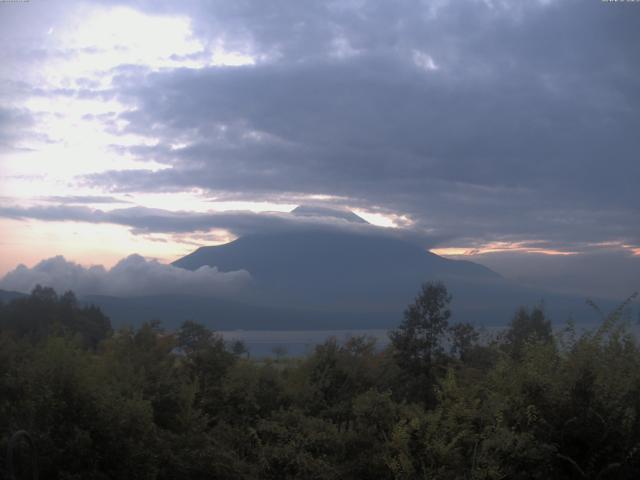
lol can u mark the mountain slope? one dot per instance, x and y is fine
(352, 277)
(314, 268)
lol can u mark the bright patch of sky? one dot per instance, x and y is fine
(382, 219)
(104, 38)
(73, 135)
(87, 243)
(424, 61)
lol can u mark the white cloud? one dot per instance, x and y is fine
(424, 61)
(132, 276)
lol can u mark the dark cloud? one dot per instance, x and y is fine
(83, 199)
(147, 221)
(13, 123)
(523, 126)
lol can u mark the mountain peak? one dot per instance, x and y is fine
(315, 211)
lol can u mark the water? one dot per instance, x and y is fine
(295, 343)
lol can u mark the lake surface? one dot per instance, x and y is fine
(295, 343)
(262, 343)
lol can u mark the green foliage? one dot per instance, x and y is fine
(295, 446)
(43, 313)
(151, 404)
(526, 328)
(417, 342)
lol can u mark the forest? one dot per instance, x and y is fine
(441, 401)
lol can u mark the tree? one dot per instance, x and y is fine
(194, 336)
(207, 361)
(280, 351)
(239, 348)
(44, 313)
(464, 338)
(527, 328)
(417, 342)
(418, 339)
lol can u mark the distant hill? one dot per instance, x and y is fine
(7, 296)
(222, 314)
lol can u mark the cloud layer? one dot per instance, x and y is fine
(521, 124)
(132, 276)
(147, 220)
(603, 273)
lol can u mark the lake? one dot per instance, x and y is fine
(295, 343)
(262, 343)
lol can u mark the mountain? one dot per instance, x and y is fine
(337, 273)
(359, 279)
(322, 278)
(319, 268)
(334, 271)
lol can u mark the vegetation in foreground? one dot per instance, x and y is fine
(437, 403)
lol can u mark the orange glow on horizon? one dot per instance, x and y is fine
(451, 251)
(499, 247)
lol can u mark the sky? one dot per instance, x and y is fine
(502, 132)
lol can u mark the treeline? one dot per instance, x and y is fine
(438, 402)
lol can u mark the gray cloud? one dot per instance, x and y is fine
(83, 199)
(132, 276)
(605, 273)
(526, 128)
(13, 123)
(147, 220)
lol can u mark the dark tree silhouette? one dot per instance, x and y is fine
(417, 342)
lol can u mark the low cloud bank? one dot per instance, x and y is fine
(130, 277)
(604, 273)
